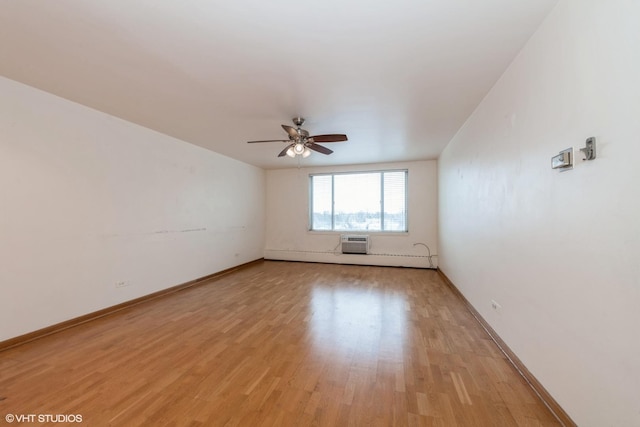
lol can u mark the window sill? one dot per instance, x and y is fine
(369, 232)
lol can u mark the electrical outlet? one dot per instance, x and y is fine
(122, 284)
(497, 307)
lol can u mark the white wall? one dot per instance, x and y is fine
(288, 236)
(559, 251)
(88, 200)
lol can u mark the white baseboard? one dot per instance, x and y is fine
(388, 260)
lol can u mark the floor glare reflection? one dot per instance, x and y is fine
(358, 322)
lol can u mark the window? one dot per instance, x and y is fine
(362, 201)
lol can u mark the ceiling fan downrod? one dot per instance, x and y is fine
(298, 121)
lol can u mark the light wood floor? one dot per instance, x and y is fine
(278, 344)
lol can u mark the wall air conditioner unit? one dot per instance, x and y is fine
(355, 244)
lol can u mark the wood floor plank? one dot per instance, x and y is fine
(279, 344)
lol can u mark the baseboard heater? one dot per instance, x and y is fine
(355, 244)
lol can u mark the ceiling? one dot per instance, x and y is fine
(398, 77)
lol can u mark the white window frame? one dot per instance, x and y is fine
(381, 172)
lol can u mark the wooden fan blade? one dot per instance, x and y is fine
(269, 140)
(293, 132)
(328, 138)
(319, 148)
(284, 152)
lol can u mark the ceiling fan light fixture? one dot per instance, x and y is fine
(300, 143)
(298, 149)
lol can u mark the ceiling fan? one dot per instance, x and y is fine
(300, 143)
